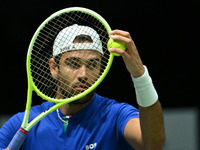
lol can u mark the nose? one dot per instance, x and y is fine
(82, 75)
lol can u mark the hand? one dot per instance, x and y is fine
(7, 149)
(131, 56)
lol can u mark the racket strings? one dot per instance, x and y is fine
(76, 16)
(42, 52)
(50, 82)
(82, 80)
(56, 28)
(44, 68)
(48, 41)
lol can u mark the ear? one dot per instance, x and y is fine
(53, 68)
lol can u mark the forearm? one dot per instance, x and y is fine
(151, 116)
(152, 126)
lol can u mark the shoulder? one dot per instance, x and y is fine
(116, 113)
(40, 108)
(17, 119)
(114, 106)
(8, 130)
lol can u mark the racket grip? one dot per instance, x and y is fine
(18, 139)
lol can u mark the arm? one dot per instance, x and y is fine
(147, 132)
(152, 125)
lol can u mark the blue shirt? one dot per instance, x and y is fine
(99, 126)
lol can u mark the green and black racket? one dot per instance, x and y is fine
(40, 51)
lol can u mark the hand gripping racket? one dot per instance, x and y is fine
(51, 39)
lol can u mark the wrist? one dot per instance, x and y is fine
(146, 94)
(139, 72)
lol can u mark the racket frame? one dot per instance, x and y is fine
(32, 87)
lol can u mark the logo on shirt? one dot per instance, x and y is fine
(91, 146)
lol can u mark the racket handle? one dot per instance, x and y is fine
(18, 139)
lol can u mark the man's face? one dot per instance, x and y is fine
(78, 70)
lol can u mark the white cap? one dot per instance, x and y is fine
(65, 38)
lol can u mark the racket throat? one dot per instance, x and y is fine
(26, 118)
(22, 130)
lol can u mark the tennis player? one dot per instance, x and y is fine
(93, 122)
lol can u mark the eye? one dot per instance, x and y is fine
(73, 63)
(92, 64)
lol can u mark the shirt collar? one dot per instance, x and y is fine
(86, 111)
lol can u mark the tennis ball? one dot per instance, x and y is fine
(116, 44)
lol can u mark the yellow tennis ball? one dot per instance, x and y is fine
(116, 44)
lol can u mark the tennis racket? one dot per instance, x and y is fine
(43, 47)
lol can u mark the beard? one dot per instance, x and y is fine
(67, 90)
(70, 92)
(84, 99)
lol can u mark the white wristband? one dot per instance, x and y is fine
(145, 91)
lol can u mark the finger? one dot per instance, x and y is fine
(118, 51)
(124, 37)
(120, 32)
(121, 38)
(128, 41)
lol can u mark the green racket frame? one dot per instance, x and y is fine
(32, 87)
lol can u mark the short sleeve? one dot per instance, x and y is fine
(125, 113)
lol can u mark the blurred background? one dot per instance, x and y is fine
(166, 33)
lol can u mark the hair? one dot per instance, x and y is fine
(78, 39)
(83, 38)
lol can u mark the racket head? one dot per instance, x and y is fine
(41, 47)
